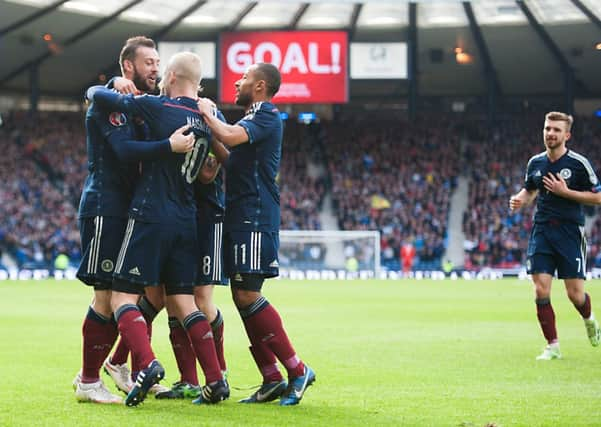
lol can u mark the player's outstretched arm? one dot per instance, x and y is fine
(230, 135)
(128, 150)
(132, 150)
(111, 100)
(558, 186)
(521, 199)
(123, 85)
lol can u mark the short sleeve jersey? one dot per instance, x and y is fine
(579, 175)
(252, 198)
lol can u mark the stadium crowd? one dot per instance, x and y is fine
(44, 167)
(384, 174)
(496, 159)
(396, 177)
(38, 220)
(301, 192)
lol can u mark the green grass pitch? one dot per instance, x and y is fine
(413, 353)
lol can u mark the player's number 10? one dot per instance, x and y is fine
(190, 168)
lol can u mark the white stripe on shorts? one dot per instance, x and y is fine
(124, 245)
(255, 250)
(214, 251)
(583, 247)
(252, 250)
(259, 251)
(220, 251)
(217, 252)
(95, 246)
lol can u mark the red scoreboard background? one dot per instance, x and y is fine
(313, 64)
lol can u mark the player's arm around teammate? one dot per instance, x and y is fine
(103, 213)
(117, 132)
(212, 165)
(164, 223)
(251, 237)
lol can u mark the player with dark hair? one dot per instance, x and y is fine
(113, 155)
(563, 180)
(251, 229)
(137, 54)
(161, 243)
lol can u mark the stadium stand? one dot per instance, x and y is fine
(395, 177)
(38, 220)
(497, 157)
(384, 174)
(301, 194)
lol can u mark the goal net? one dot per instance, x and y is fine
(332, 254)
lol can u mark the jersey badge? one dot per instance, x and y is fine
(106, 265)
(565, 173)
(117, 119)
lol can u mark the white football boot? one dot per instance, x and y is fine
(120, 374)
(94, 392)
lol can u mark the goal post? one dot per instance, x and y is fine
(355, 252)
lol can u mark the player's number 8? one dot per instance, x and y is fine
(194, 159)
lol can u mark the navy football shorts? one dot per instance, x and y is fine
(251, 252)
(557, 247)
(101, 238)
(210, 239)
(153, 254)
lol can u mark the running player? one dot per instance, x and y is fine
(564, 181)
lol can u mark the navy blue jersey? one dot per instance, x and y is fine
(579, 175)
(164, 192)
(114, 145)
(109, 185)
(252, 199)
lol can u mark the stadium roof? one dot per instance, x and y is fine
(531, 43)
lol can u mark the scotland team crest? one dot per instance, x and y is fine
(117, 119)
(565, 173)
(106, 265)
